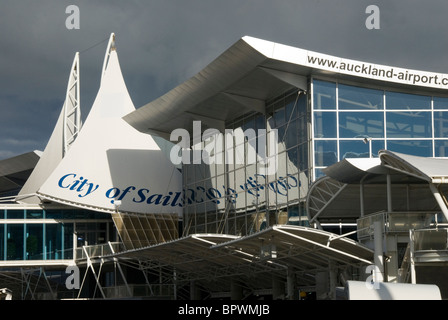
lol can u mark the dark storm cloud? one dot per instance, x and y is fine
(162, 43)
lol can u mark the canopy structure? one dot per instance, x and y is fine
(237, 82)
(110, 166)
(15, 171)
(274, 252)
(392, 182)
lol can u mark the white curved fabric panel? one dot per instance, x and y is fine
(112, 166)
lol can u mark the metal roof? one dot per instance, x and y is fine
(239, 81)
(15, 171)
(271, 251)
(337, 196)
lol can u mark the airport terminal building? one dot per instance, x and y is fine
(300, 173)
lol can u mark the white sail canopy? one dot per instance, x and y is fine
(111, 166)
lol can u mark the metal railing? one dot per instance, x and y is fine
(98, 250)
(398, 222)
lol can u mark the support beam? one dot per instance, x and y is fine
(439, 198)
(248, 102)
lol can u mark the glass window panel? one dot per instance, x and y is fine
(325, 153)
(302, 130)
(351, 98)
(302, 105)
(14, 244)
(440, 124)
(319, 173)
(34, 214)
(303, 157)
(377, 145)
(353, 149)
(408, 124)
(422, 148)
(325, 124)
(291, 134)
(440, 103)
(15, 214)
(34, 242)
(441, 148)
(68, 240)
(2, 214)
(361, 124)
(279, 117)
(53, 241)
(292, 160)
(260, 122)
(406, 101)
(2, 241)
(324, 95)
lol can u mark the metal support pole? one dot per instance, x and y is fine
(389, 193)
(378, 258)
(439, 199)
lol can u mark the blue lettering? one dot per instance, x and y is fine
(213, 194)
(125, 191)
(112, 193)
(63, 178)
(155, 198)
(203, 190)
(176, 197)
(141, 195)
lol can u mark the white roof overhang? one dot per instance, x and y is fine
(337, 196)
(434, 170)
(251, 72)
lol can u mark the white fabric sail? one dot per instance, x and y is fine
(111, 166)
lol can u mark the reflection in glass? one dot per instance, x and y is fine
(361, 124)
(440, 124)
(34, 242)
(14, 242)
(353, 149)
(440, 103)
(325, 124)
(408, 124)
(324, 95)
(422, 148)
(352, 98)
(325, 152)
(441, 148)
(406, 101)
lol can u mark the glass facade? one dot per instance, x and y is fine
(334, 120)
(39, 234)
(353, 121)
(237, 195)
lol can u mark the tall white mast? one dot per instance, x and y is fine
(72, 107)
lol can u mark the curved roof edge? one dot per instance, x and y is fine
(252, 71)
(433, 170)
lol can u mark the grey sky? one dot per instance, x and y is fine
(161, 43)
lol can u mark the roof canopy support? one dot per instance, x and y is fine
(248, 102)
